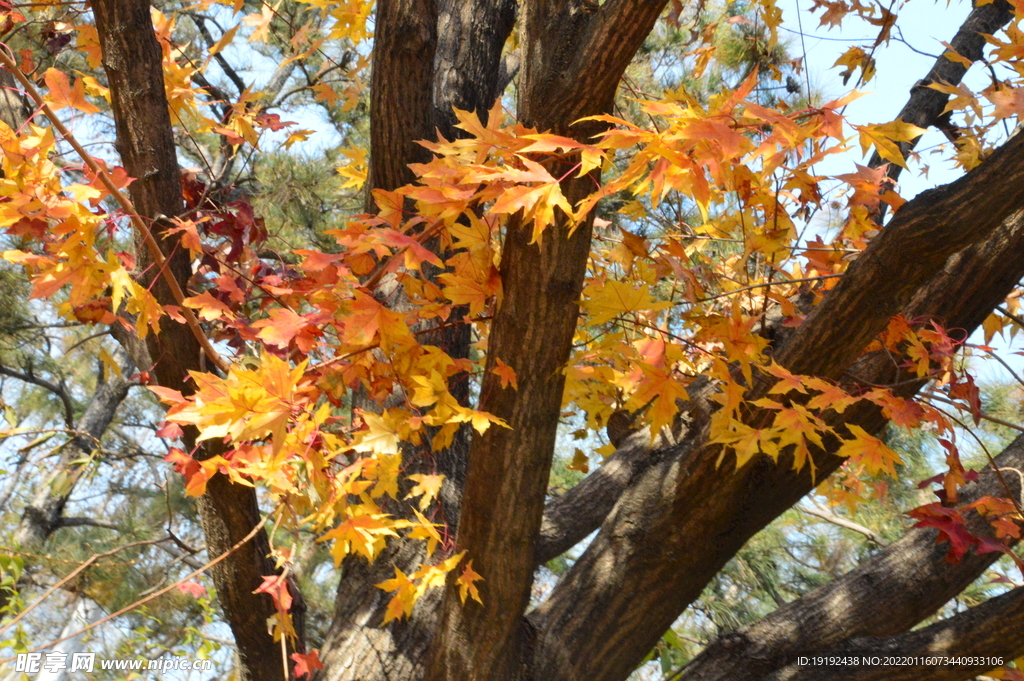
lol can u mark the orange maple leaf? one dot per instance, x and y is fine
(306, 664)
(467, 586)
(63, 95)
(506, 373)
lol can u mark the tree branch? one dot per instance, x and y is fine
(925, 106)
(681, 521)
(912, 577)
(428, 58)
(570, 518)
(145, 141)
(30, 377)
(91, 522)
(993, 629)
(43, 515)
(573, 59)
(228, 70)
(840, 521)
(401, 107)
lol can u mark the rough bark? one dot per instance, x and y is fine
(464, 43)
(14, 108)
(401, 105)
(912, 577)
(682, 520)
(912, 248)
(574, 55)
(467, 62)
(993, 629)
(43, 514)
(569, 519)
(133, 62)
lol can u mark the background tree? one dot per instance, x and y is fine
(621, 254)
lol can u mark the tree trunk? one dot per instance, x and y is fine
(681, 521)
(145, 141)
(426, 60)
(574, 55)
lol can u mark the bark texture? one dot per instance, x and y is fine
(14, 108)
(671, 518)
(401, 105)
(574, 55)
(428, 58)
(678, 524)
(133, 62)
(925, 106)
(993, 629)
(911, 577)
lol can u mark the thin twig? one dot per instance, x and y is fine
(156, 594)
(769, 283)
(74, 573)
(843, 522)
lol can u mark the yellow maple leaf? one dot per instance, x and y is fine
(424, 529)
(870, 452)
(885, 137)
(467, 584)
(402, 602)
(387, 470)
(224, 41)
(481, 420)
(746, 442)
(462, 290)
(427, 487)
(579, 462)
(356, 170)
(381, 434)
(363, 534)
(854, 58)
(604, 302)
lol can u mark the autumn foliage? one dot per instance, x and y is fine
(325, 379)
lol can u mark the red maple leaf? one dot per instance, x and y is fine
(276, 587)
(951, 526)
(192, 587)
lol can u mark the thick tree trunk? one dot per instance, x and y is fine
(569, 519)
(680, 518)
(427, 59)
(574, 55)
(569, 645)
(133, 63)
